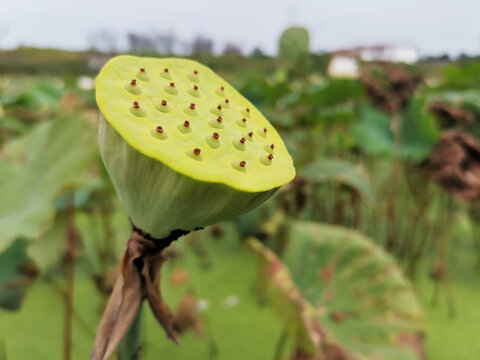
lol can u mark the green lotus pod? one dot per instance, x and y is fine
(294, 44)
(183, 148)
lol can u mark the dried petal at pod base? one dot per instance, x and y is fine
(151, 166)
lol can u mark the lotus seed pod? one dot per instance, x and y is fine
(183, 148)
(294, 44)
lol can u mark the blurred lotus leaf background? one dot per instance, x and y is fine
(372, 251)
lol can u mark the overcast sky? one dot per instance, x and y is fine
(432, 26)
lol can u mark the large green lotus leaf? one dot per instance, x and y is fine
(55, 156)
(372, 131)
(222, 275)
(343, 172)
(298, 315)
(103, 236)
(48, 250)
(418, 133)
(366, 302)
(16, 273)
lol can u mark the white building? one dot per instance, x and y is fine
(345, 62)
(343, 66)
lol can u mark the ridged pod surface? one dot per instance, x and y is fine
(183, 148)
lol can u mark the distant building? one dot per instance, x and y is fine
(343, 66)
(345, 62)
(389, 53)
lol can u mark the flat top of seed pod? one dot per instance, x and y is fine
(182, 114)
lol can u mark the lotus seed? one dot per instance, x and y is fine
(242, 122)
(142, 75)
(163, 107)
(213, 140)
(136, 110)
(166, 74)
(171, 89)
(133, 88)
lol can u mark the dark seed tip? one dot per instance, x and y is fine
(197, 151)
(164, 102)
(133, 82)
(250, 134)
(243, 163)
(172, 84)
(219, 119)
(136, 105)
(186, 123)
(195, 87)
(242, 140)
(270, 157)
(165, 70)
(272, 146)
(215, 135)
(195, 72)
(219, 107)
(192, 106)
(159, 129)
(142, 70)
(244, 120)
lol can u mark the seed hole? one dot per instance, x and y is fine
(142, 75)
(195, 154)
(166, 74)
(239, 165)
(159, 133)
(137, 110)
(213, 140)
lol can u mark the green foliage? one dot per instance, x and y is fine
(52, 158)
(222, 276)
(418, 132)
(341, 172)
(362, 296)
(461, 76)
(16, 275)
